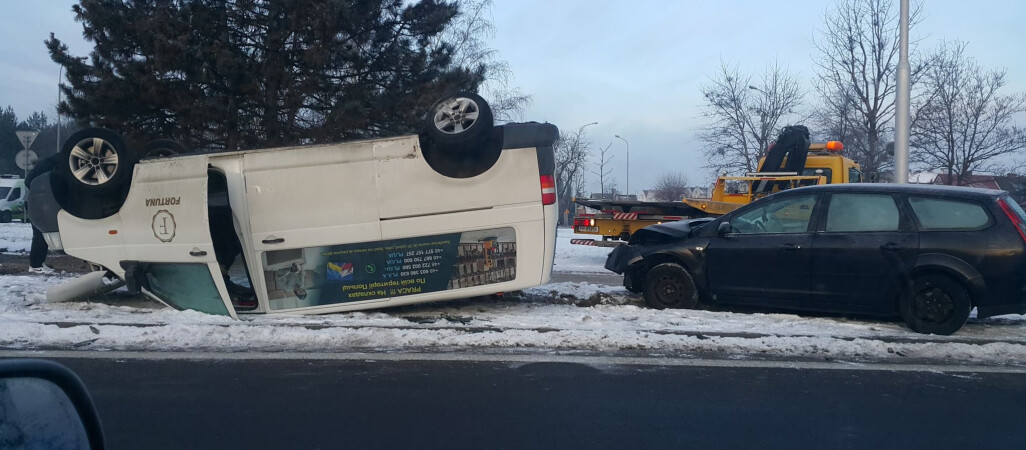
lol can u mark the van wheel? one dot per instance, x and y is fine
(5, 217)
(459, 138)
(96, 161)
(935, 304)
(669, 285)
(163, 148)
(459, 122)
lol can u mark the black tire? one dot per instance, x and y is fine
(163, 148)
(669, 285)
(935, 304)
(95, 161)
(6, 217)
(459, 122)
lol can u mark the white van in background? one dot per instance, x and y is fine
(12, 198)
(463, 209)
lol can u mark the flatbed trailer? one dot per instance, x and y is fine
(620, 219)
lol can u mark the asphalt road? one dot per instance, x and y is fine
(397, 403)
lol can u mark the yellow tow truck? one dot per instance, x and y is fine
(823, 164)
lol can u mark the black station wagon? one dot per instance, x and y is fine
(927, 253)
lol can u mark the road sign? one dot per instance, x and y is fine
(26, 137)
(26, 159)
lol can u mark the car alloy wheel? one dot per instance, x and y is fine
(934, 305)
(93, 161)
(458, 115)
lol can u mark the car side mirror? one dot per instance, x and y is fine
(723, 228)
(45, 405)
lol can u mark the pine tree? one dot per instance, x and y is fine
(255, 73)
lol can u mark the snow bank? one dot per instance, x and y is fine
(15, 237)
(555, 317)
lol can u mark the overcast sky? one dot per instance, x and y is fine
(635, 67)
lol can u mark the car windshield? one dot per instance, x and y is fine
(4, 191)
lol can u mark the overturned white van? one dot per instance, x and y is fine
(463, 209)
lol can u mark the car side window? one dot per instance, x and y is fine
(854, 175)
(862, 212)
(786, 215)
(939, 214)
(15, 194)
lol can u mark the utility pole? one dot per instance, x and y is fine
(902, 100)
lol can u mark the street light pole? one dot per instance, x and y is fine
(628, 188)
(60, 73)
(902, 99)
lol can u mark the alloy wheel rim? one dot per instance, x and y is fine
(457, 116)
(93, 161)
(934, 305)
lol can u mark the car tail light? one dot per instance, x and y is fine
(1014, 217)
(584, 222)
(548, 189)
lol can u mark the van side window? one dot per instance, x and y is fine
(15, 194)
(862, 212)
(938, 214)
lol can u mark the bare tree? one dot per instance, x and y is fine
(604, 168)
(744, 116)
(468, 34)
(858, 59)
(963, 125)
(835, 118)
(572, 152)
(671, 187)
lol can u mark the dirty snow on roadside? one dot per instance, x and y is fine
(560, 317)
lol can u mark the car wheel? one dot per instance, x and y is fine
(5, 217)
(935, 304)
(669, 285)
(163, 148)
(96, 161)
(459, 122)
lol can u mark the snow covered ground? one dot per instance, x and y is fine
(561, 317)
(578, 258)
(15, 237)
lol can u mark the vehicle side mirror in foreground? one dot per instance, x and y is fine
(723, 228)
(45, 405)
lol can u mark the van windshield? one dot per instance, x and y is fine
(4, 191)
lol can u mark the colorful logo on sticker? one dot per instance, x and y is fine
(340, 271)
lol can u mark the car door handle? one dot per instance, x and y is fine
(890, 246)
(197, 252)
(273, 240)
(789, 247)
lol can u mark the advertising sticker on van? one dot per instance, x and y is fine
(314, 276)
